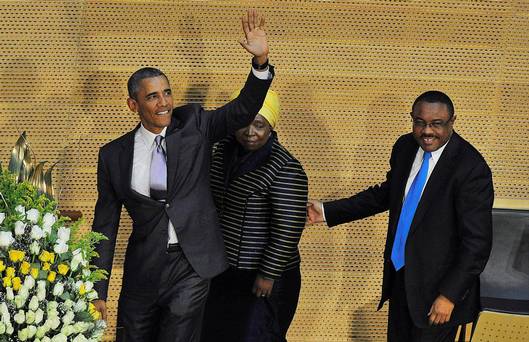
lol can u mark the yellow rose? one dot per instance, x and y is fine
(93, 311)
(45, 256)
(10, 272)
(82, 289)
(63, 269)
(51, 276)
(25, 267)
(2, 266)
(46, 266)
(7, 282)
(34, 273)
(16, 255)
(52, 257)
(17, 283)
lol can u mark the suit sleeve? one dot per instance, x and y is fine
(240, 112)
(106, 221)
(474, 215)
(288, 198)
(369, 202)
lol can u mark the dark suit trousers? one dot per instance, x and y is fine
(400, 324)
(172, 313)
(235, 314)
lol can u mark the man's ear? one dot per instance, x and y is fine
(133, 105)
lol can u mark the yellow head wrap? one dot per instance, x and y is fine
(270, 109)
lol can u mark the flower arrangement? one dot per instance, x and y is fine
(46, 279)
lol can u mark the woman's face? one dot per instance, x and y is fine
(255, 135)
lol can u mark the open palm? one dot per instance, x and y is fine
(255, 41)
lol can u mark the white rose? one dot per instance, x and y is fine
(46, 339)
(6, 239)
(36, 233)
(29, 282)
(41, 290)
(20, 228)
(64, 234)
(47, 221)
(3, 309)
(2, 328)
(23, 334)
(34, 248)
(9, 329)
(19, 301)
(23, 292)
(88, 285)
(68, 317)
(9, 293)
(30, 317)
(39, 316)
(41, 331)
(54, 322)
(79, 306)
(20, 209)
(77, 260)
(52, 306)
(32, 215)
(58, 289)
(92, 295)
(20, 317)
(68, 304)
(2, 217)
(59, 338)
(60, 247)
(33, 303)
(31, 331)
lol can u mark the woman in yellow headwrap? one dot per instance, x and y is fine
(260, 191)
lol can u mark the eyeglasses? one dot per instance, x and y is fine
(436, 124)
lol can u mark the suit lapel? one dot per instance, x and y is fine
(173, 143)
(126, 158)
(437, 181)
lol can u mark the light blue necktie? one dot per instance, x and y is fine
(158, 175)
(408, 211)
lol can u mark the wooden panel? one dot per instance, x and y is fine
(347, 73)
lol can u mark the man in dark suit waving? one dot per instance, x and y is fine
(439, 194)
(160, 172)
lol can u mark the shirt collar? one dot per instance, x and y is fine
(435, 154)
(148, 136)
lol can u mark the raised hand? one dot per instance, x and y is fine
(255, 41)
(314, 212)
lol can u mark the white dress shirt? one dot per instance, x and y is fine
(141, 167)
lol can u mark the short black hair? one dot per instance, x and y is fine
(435, 96)
(133, 83)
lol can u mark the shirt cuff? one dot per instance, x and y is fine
(323, 212)
(262, 75)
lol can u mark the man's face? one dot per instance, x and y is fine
(154, 103)
(255, 135)
(432, 125)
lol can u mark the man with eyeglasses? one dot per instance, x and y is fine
(439, 195)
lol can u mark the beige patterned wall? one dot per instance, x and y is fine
(347, 72)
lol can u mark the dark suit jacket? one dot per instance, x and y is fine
(450, 238)
(190, 205)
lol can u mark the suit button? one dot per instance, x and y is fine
(167, 205)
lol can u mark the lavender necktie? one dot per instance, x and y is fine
(158, 177)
